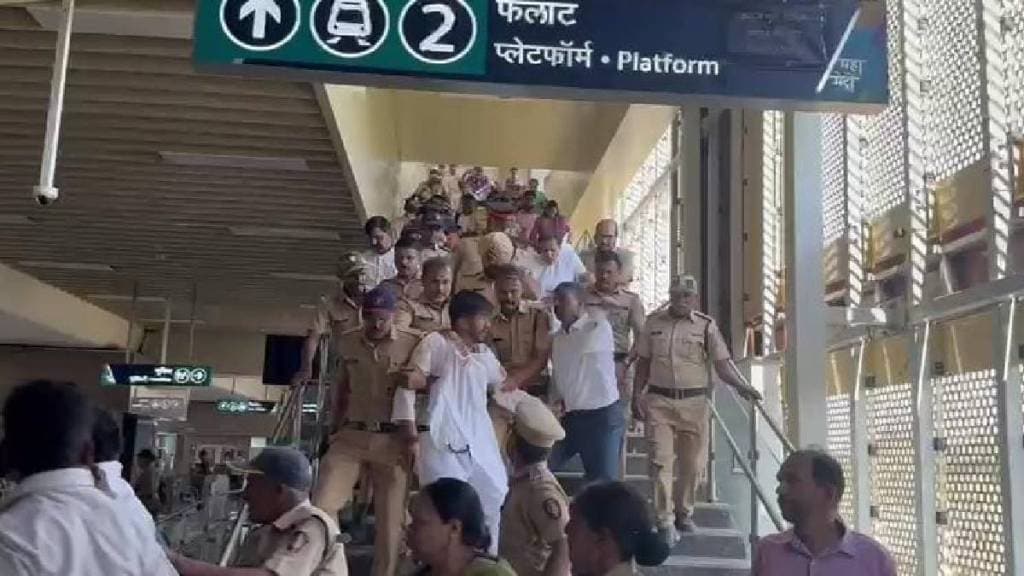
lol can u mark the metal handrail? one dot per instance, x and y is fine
(774, 514)
(292, 409)
(776, 428)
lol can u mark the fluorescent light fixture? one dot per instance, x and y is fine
(178, 321)
(227, 161)
(15, 219)
(66, 265)
(301, 276)
(308, 306)
(125, 298)
(294, 233)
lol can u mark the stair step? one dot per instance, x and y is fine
(573, 482)
(700, 566)
(713, 515)
(636, 463)
(713, 543)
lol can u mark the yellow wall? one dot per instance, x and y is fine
(637, 134)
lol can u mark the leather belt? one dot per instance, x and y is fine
(380, 427)
(677, 393)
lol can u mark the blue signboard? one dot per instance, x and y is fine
(796, 54)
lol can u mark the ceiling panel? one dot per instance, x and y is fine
(164, 229)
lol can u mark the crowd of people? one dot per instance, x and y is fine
(467, 348)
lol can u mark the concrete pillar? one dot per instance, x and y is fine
(693, 211)
(805, 288)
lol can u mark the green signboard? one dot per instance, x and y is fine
(780, 53)
(156, 375)
(228, 406)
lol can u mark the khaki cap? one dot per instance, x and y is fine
(536, 424)
(684, 283)
(351, 263)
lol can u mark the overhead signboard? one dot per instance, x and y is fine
(801, 54)
(160, 408)
(156, 375)
(245, 406)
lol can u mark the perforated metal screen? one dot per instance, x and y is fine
(967, 475)
(838, 420)
(893, 473)
(1013, 31)
(953, 90)
(884, 146)
(833, 169)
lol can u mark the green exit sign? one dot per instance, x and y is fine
(156, 375)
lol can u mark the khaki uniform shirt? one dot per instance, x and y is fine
(677, 348)
(521, 337)
(367, 367)
(622, 308)
(534, 516)
(626, 256)
(294, 545)
(336, 316)
(423, 316)
(411, 289)
(480, 284)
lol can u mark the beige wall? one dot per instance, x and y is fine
(226, 351)
(19, 365)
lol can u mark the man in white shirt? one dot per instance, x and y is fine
(57, 521)
(554, 263)
(583, 372)
(380, 258)
(459, 370)
(106, 441)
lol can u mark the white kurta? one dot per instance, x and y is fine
(461, 442)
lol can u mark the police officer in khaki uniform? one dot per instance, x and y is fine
(521, 339)
(295, 539)
(474, 270)
(338, 313)
(622, 308)
(536, 509)
(606, 240)
(406, 283)
(677, 349)
(363, 395)
(429, 312)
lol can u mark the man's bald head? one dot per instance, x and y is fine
(606, 234)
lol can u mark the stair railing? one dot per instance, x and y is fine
(290, 416)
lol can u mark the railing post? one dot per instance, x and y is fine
(754, 457)
(924, 451)
(1011, 469)
(712, 480)
(859, 458)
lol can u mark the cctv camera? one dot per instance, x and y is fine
(45, 196)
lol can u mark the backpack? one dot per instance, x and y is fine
(333, 562)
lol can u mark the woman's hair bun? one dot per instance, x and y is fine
(651, 549)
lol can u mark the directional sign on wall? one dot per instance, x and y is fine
(810, 54)
(155, 375)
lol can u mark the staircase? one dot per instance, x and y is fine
(717, 548)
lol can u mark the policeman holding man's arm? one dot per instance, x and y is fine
(365, 437)
(672, 381)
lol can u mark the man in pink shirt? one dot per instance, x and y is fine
(819, 544)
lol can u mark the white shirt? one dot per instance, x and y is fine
(567, 268)
(381, 266)
(60, 523)
(124, 497)
(583, 364)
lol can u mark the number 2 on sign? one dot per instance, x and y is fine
(432, 42)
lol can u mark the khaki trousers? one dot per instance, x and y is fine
(677, 432)
(348, 452)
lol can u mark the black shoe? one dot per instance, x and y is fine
(685, 526)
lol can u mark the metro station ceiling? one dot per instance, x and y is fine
(156, 193)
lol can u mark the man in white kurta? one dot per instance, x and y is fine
(459, 371)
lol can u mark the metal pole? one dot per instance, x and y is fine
(165, 337)
(712, 476)
(131, 325)
(860, 462)
(924, 452)
(1010, 424)
(297, 422)
(321, 409)
(755, 485)
(754, 456)
(44, 189)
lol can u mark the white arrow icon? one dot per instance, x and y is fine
(259, 10)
